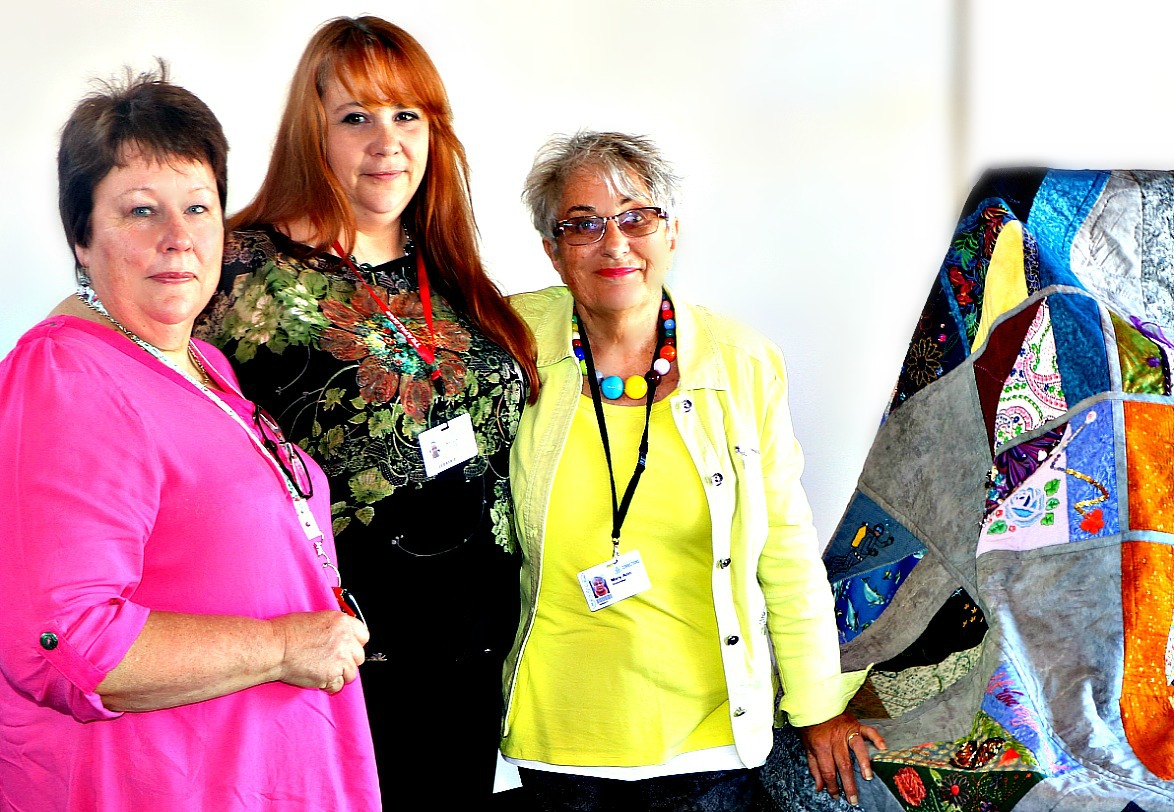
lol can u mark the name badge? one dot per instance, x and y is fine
(448, 444)
(614, 580)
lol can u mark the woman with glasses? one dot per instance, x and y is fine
(170, 633)
(667, 543)
(358, 313)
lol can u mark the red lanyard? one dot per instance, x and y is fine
(426, 352)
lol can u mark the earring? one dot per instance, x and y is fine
(83, 277)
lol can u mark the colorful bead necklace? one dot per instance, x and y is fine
(636, 386)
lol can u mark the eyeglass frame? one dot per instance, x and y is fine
(274, 449)
(560, 226)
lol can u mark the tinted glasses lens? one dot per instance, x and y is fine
(639, 222)
(583, 230)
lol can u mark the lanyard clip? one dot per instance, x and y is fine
(615, 547)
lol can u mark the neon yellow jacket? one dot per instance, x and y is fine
(731, 410)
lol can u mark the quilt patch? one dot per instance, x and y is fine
(1147, 697)
(867, 537)
(1149, 436)
(1033, 393)
(902, 691)
(1007, 702)
(861, 599)
(1145, 368)
(949, 321)
(1068, 494)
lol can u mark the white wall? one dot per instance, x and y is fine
(1071, 83)
(812, 136)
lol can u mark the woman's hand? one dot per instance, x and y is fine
(320, 649)
(828, 745)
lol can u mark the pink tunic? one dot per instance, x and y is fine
(124, 489)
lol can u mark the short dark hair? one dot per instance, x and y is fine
(161, 120)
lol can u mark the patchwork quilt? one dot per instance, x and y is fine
(1007, 560)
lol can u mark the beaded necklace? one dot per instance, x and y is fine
(636, 386)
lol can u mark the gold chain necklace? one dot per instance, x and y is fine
(92, 303)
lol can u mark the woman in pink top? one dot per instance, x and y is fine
(170, 633)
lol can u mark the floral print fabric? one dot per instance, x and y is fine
(360, 413)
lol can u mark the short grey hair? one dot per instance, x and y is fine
(630, 165)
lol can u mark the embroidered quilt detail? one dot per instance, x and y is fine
(1032, 394)
(1007, 703)
(922, 788)
(949, 321)
(1091, 473)
(1073, 385)
(1070, 495)
(984, 771)
(1013, 466)
(866, 538)
(1033, 515)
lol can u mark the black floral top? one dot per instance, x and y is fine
(311, 345)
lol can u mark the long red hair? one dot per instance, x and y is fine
(378, 61)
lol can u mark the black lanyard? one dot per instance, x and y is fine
(619, 509)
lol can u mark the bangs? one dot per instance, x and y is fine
(378, 76)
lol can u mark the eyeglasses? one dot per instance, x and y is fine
(633, 223)
(286, 453)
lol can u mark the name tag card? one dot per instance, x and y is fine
(448, 444)
(614, 580)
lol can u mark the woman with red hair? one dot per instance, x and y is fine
(357, 311)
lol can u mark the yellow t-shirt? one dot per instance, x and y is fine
(640, 681)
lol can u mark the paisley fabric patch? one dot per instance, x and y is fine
(1002, 350)
(1032, 394)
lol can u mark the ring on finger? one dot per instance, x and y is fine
(852, 735)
